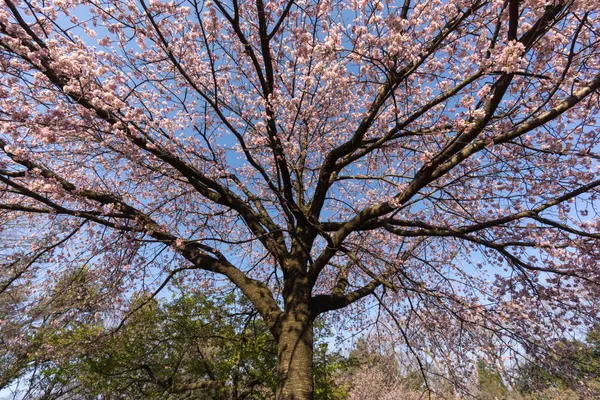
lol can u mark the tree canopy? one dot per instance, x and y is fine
(430, 166)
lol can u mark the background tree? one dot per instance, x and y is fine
(436, 159)
(572, 366)
(491, 385)
(184, 348)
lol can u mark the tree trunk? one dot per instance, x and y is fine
(295, 357)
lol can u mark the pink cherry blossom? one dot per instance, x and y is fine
(426, 166)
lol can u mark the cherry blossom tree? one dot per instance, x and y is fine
(428, 165)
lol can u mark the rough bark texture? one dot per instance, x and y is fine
(295, 336)
(295, 357)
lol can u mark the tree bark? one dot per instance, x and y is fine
(294, 333)
(295, 357)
